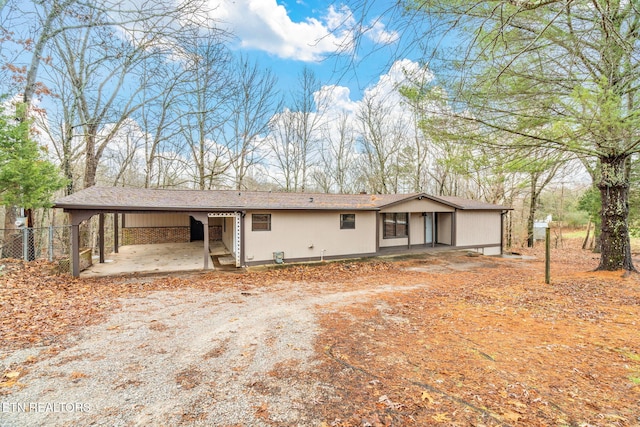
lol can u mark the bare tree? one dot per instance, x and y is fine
(381, 140)
(60, 125)
(103, 63)
(253, 102)
(54, 18)
(337, 155)
(205, 96)
(286, 155)
(159, 115)
(122, 159)
(307, 121)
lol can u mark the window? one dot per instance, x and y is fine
(260, 222)
(347, 221)
(395, 225)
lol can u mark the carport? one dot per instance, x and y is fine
(101, 201)
(155, 258)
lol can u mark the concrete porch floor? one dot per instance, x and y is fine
(155, 258)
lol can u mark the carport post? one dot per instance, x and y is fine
(116, 243)
(75, 218)
(101, 237)
(75, 250)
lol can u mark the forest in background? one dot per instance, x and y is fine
(155, 97)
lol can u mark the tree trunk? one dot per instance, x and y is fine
(614, 237)
(586, 239)
(10, 247)
(533, 201)
(91, 159)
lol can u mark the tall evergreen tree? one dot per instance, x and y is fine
(560, 75)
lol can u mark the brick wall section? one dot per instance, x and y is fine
(151, 235)
(215, 233)
(146, 236)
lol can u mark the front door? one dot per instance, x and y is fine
(428, 228)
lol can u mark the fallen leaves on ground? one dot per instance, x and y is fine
(478, 341)
(39, 306)
(487, 346)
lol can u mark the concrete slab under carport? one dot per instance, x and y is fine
(155, 258)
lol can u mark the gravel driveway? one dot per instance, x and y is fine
(184, 357)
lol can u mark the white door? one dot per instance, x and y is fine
(428, 228)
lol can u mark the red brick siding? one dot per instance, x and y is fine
(150, 235)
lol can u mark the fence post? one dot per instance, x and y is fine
(50, 243)
(547, 256)
(25, 243)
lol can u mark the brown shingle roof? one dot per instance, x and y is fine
(137, 199)
(460, 203)
(162, 199)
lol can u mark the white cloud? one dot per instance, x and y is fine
(379, 35)
(265, 25)
(401, 73)
(334, 99)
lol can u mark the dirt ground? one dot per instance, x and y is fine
(434, 339)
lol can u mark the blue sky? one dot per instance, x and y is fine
(289, 35)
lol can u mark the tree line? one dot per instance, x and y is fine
(154, 96)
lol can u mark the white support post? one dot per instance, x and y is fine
(238, 240)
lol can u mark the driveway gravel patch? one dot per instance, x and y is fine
(184, 357)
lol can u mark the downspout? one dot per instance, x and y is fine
(502, 214)
(377, 231)
(434, 234)
(408, 230)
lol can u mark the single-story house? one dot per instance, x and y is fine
(259, 227)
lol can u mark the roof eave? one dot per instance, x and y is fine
(111, 208)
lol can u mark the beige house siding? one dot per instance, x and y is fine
(309, 235)
(228, 233)
(478, 228)
(444, 222)
(415, 208)
(423, 205)
(390, 242)
(416, 228)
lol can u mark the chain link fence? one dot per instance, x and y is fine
(30, 244)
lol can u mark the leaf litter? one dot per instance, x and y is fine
(445, 339)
